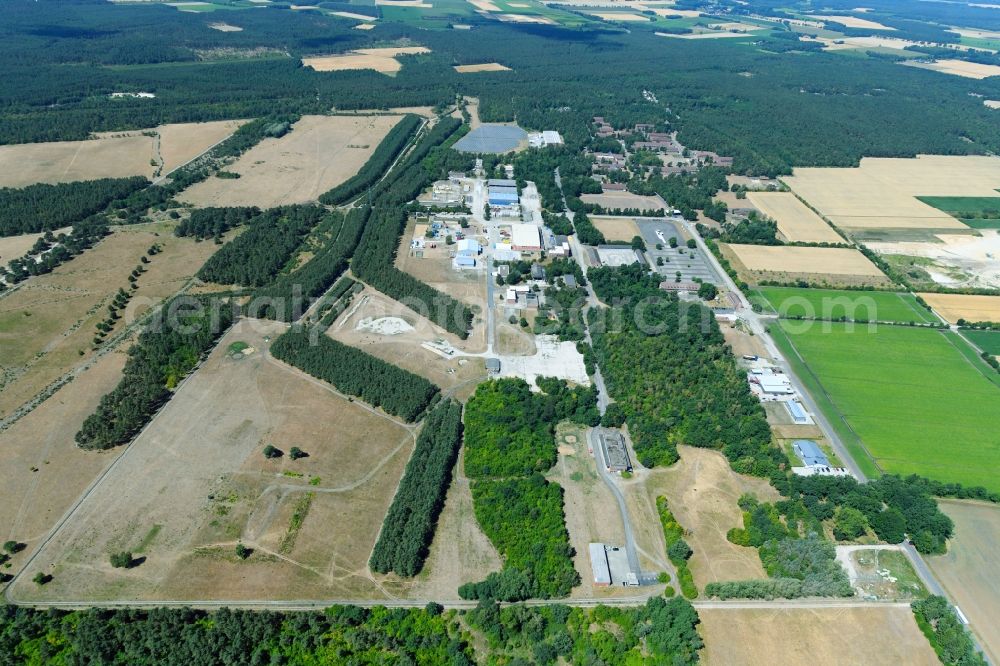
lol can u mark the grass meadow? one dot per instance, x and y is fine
(915, 401)
(835, 303)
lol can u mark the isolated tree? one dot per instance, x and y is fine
(243, 552)
(524, 323)
(272, 452)
(691, 243)
(295, 453)
(122, 560)
(673, 241)
(707, 291)
(13, 547)
(638, 243)
(41, 578)
(659, 261)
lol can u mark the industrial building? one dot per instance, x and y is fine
(503, 196)
(809, 453)
(599, 565)
(770, 383)
(493, 366)
(798, 413)
(617, 255)
(501, 182)
(467, 248)
(525, 238)
(492, 138)
(546, 138)
(614, 451)
(610, 566)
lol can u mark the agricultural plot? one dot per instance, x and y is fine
(622, 200)
(826, 266)
(969, 307)
(111, 155)
(833, 304)
(988, 341)
(813, 636)
(882, 192)
(616, 228)
(955, 67)
(382, 60)
(195, 483)
(317, 154)
(970, 571)
(484, 67)
(852, 21)
(910, 395)
(796, 222)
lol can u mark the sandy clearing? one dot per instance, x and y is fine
(420, 4)
(703, 35)
(881, 192)
(381, 59)
(622, 200)
(352, 15)
(485, 5)
(225, 27)
(484, 67)
(796, 221)
(790, 259)
(616, 228)
(976, 33)
(970, 571)
(620, 16)
(853, 22)
(992, 103)
(364, 26)
(110, 154)
(671, 12)
(813, 637)
(524, 18)
(963, 68)
(962, 306)
(319, 153)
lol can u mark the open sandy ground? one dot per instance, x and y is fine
(791, 259)
(957, 260)
(853, 22)
(961, 306)
(525, 18)
(621, 16)
(110, 154)
(319, 153)
(970, 571)
(881, 192)
(381, 60)
(702, 35)
(813, 637)
(195, 482)
(992, 103)
(485, 67)
(611, 200)
(616, 228)
(484, 5)
(963, 68)
(796, 221)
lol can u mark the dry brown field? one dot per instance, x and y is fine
(12, 247)
(796, 221)
(827, 262)
(484, 5)
(612, 200)
(50, 319)
(484, 67)
(364, 26)
(110, 154)
(195, 483)
(319, 153)
(813, 637)
(962, 306)
(616, 228)
(881, 192)
(381, 60)
(702, 35)
(970, 571)
(853, 22)
(354, 15)
(620, 16)
(525, 18)
(992, 103)
(963, 68)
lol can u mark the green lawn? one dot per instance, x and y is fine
(988, 341)
(835, 303)
(918, 404)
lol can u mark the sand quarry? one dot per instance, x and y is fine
(796, 221)
(381, 60)
(959, 260)
(964, 306)
(111, 154)
(319, 153)
(881, 192)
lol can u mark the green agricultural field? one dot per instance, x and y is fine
(988, 341)
(981, 223)
(915, 401)
(836, 303)
(965, 206)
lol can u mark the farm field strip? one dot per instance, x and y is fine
(796, 221)
(988, 341)
(792, 259)
(915, 400)
(972, 308)
(790, 302)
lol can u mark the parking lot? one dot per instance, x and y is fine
(691, 263)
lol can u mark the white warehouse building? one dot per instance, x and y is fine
(525, 237)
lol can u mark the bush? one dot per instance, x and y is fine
(271, 451)
(295, 453)
(13, 547)
(243, 552)
(122, 560)
(41, 578)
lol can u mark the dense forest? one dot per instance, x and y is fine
(214, 222)
(408, 528)
(45, 207)
(179, 335)
(660, 632)
(352, 371)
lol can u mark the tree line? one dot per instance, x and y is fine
(175, 340)
(51, 250)
(43, 207)
(214, 222)
(408, 528)
(352, 371)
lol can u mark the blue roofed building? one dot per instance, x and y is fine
(810, 453)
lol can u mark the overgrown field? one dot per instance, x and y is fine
(911, 396)
(833, 304)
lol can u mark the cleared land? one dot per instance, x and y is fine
(915, 400)
(195, 483)
(796, 221)
(881, 192)
(319, 153)
(616, 228)
(813, 637)
(853, 21)
(833, 304)
(963, 68)
(962, 306)
(381, 60)
(952, 260)
(484, 67)
(992, 103)
(110, 155)
(702, 35)
(620, 16)
(970, 571)
(611, 200)
(821, 265)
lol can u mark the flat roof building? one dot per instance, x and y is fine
(501, 182)
(493, 366)
(467, 247)
(525, 237)
(809, 452)
(774, 384)
(599, 565)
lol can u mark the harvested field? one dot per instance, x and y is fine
(702, 491)
(970, 571)
(110, 155)
(319, 153)
(525, 18)
(381, 60)
(702, 35)
(853, 22)
(616, 228)
(829, 264)
(813, 636)
(485, 67)
(353, 15)
(612, 200)
(195, 483)
(621, 16)
(881, 193)
(796, 221)
(962, 306)
(963, 68)
(50, 319)
(484, 5)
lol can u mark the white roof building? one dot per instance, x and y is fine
(525, 237)
(774, 384)
(599, 564)
(467, 247)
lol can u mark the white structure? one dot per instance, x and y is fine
(774, 384)
(599, 565)
(467, 248)
(546, 138)
(525, 237)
